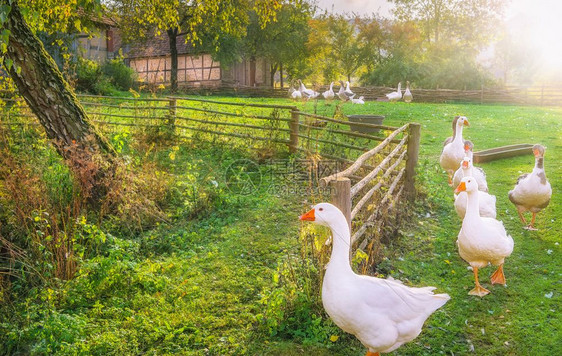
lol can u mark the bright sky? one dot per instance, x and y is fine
(536, 21)
(360, 7)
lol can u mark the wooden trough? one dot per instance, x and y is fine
(493, 154)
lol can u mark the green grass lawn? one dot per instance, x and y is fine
(198, 285)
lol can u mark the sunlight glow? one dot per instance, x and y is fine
(542, 28)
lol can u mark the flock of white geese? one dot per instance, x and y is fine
(482, 240)
(345, 93)
(384, 313)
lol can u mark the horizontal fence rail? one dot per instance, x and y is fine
(366, 193)
(379, 166)
(520, 95)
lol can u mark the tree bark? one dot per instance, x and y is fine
(172, 36)
(252, 71)
(51, 99)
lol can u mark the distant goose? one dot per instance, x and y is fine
(395, 95)
(307, 93)
(329, 94)
(358, 101)
(348, 90)
(407, 94)
(341, 93)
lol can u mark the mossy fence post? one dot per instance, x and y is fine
(294, 127)
(341, 196)
(413, 149)
(172, 112)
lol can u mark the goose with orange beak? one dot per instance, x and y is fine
(467, 169)
(481, 240)
(486, 202)
(453, 151)
(532, 191)
(382, 313)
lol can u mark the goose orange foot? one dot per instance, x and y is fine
(369, 353)
(531, 226)
(498, 276)
(478, 290)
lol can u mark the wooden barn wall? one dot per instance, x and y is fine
(239, 73)
(193, 70)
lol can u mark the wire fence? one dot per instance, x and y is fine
(380, 160)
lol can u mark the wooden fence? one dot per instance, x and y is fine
(380, 165)
(533, 95)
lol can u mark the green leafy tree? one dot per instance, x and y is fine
(469, 21)
(283, 40)
(347, 52)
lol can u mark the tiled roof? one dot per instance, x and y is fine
(157, 46)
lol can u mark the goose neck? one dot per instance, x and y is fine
(472, 205)
(458, 134)
(341, 244)
(539, 163)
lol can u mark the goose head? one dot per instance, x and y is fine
(468, 184)
(324, 214)
(462, 121)
(399, 87)
(538, 151)
(468, 146)
(342, 87)
(466, 162)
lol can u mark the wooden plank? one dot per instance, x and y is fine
(502, 152)
(364, 157)
(341, 197)
(413, 153)
(369, 177)
(371, 191)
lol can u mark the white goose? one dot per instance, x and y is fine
(453, 150)
(466, 169)
(358, 101)
(329, 94)
(395, 95)
(481, 240)
(407, 94)
(382, 313)
(307, 93)
(486, 202)
(341, 93)
(294, 93)
(532, 191)
(451, 138)
(348, 89)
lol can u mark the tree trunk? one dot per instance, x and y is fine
(172, 36)
(253, 71)
(272, 71)
(281, 74)
(52, 100)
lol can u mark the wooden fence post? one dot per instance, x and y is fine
(294, 127)
(172, 111)
(341, 196)
(413, 152)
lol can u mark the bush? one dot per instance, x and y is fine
(120, 75)
(90, 78)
